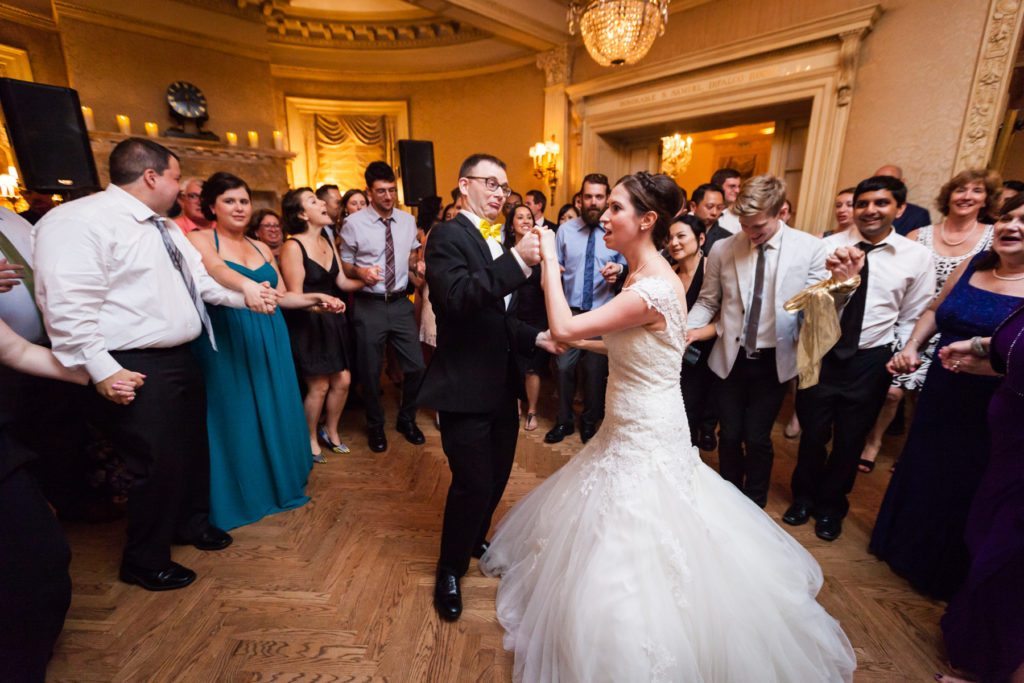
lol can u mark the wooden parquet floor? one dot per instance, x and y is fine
(340, 590)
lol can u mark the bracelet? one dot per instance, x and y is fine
(977, 348)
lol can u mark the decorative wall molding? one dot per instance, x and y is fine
(92, 15)
(302, 73)
(985, 108)
(349, 35)
(14, 63)
(830, 27)
(264, 169)
(557, 65)
(26, 18)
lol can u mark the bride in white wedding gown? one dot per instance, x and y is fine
(635, 561)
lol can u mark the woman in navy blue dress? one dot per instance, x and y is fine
(920, 527)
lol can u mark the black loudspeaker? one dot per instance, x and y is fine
(416, 159)
(46, 128)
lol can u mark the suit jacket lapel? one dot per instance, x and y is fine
(785, 258)
(475, 235)
(744, 266)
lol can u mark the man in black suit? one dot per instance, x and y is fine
(473, 380)
(707, 204)
(537, 203)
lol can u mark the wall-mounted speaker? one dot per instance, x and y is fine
(46, 128)
(416, 159)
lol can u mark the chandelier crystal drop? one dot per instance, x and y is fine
(618, 32)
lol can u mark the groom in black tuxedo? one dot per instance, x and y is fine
(473, 380)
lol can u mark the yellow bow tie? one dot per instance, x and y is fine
(490, 230)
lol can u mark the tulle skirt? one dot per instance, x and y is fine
(646, 567)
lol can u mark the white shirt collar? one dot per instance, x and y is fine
(135, 207)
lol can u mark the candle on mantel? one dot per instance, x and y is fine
(231, 138)
(124, 124)
(152, 130)
(90, 120)
(254, 138)
(278, 141)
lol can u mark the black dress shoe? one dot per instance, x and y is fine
(798, 513)
(411, 433)
(587, 432)
(558, 432)
(479, 551)
(211, 538)
(707, 441)
(448, 596)
(377, 441)
(170, 578)
(828, 527)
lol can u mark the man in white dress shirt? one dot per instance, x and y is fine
(729, 179)
(122, 296)
(748, 278)
(897, 285)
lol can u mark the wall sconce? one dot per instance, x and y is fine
(124, 124)
(545, 163)
(278, 141)
(676, 154)
(254, 138)
(232, 139)
(152, 130)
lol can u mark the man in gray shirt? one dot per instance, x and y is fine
(378, 246)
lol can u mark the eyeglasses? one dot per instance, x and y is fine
(385, 190)
(191, 196)
(492, 184)
(270, 225)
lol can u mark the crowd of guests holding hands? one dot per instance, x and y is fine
(223, 348)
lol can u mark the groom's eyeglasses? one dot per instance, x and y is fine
(492, 184)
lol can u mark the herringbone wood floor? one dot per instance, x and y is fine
(340, 590)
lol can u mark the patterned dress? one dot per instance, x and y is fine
(944, 267)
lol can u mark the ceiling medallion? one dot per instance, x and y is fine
(618, 32)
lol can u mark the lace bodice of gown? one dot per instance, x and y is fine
(643, 407)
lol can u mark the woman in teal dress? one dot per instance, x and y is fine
(259, 450)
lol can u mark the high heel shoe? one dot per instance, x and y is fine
(319, 458)
(531, 422)
(341, 448)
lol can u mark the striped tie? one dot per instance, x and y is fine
(179, 263)
(389, 255)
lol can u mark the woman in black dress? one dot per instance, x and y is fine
(309, 263)
(530, 309)
(685, 239)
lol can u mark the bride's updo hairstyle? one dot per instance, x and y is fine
(657, 193)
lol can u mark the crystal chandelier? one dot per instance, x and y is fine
(676, 154)
(618, 32)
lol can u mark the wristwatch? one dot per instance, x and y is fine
(977, 349)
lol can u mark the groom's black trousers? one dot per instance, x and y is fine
(480, 448)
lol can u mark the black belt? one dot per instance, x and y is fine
(760, 353)
(385, 297)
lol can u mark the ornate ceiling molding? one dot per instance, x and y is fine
(370, 35)
(26, 18)
(986, 106)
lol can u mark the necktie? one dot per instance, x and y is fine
(178, 261)
(28, 275)
(490, 230)
(853, 315)
(754, 317)
(588, 273)
(389, 255)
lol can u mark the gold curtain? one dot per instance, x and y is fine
(346, 144)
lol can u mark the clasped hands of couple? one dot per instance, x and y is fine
(539, 246)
